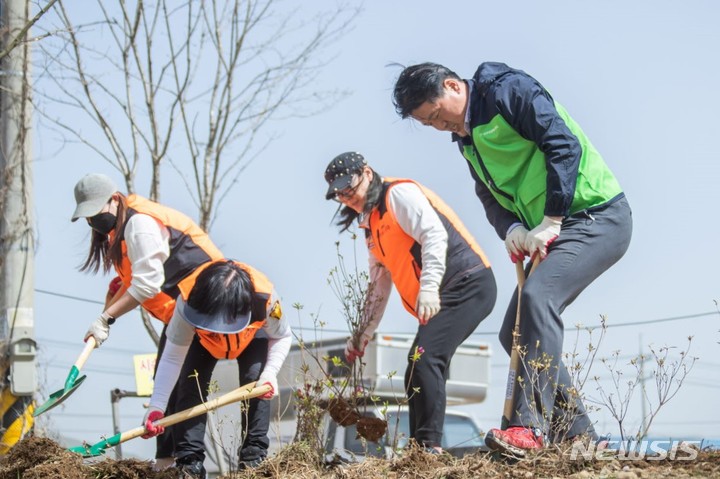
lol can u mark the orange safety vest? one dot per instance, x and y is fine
(190, 247)
(402, 255)
(230, 346)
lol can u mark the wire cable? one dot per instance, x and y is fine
(485, 333)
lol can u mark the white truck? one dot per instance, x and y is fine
(386, 358)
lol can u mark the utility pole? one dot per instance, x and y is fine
(17, 326)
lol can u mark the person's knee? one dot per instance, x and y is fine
(536, 302)
(427, 367)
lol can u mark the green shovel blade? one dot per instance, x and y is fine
(59, 396)
(97, 449)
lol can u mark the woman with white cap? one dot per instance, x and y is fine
(230, 311)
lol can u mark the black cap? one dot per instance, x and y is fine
(340, 171)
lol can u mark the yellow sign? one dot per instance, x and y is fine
(144, 369)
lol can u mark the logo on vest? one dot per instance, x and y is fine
(490, 131)
(276, 311)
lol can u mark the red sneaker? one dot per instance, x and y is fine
(514, 440)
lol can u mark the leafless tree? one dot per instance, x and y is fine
(192, 84)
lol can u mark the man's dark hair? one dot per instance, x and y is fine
(418, 84)
(222, 288)
(372, 198)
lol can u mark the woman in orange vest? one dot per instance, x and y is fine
(444, 280)
(231, 312)
(152, 249)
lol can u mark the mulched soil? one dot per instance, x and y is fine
(36, 458)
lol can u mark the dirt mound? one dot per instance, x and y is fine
(34, 453)
(41, 458)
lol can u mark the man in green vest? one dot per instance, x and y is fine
(549, 195)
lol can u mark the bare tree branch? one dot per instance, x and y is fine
(191, 84)
(23, 32)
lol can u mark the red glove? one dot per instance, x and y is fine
(352, 352)
(269, 394)
(151, 429)
(114, 286)
(270, 381)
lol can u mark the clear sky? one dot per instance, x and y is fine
(640, 77)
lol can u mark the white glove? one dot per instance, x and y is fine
(100, 329)
(515, 242)
(428, 305)
(272, 381)
(353, 352)
(540, 237)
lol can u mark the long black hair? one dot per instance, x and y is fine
(222, 288)
(372, 198)
(103, 252)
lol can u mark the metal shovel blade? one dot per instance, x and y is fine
(97, 449)
(58, 397)
(72, 382)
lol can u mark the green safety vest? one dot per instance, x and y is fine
(514, 170)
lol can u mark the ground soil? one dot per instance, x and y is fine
(41, 458)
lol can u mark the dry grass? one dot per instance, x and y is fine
(35, 458)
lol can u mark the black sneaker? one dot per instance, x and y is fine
(431, 450)
(250, 464)
(192, 470)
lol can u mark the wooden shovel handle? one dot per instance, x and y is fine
(89, 346)
(514, 353)
(243, 392)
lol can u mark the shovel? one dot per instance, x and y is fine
(239, 394)
(71, 383)
(514, 352)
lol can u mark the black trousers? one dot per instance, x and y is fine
(464, 304)
(187, 438)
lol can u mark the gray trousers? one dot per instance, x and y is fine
(587, 246)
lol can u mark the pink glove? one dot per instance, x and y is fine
(352, 352)
(151, 416)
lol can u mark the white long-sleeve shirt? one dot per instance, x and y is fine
(419, 220)
(148, 247)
